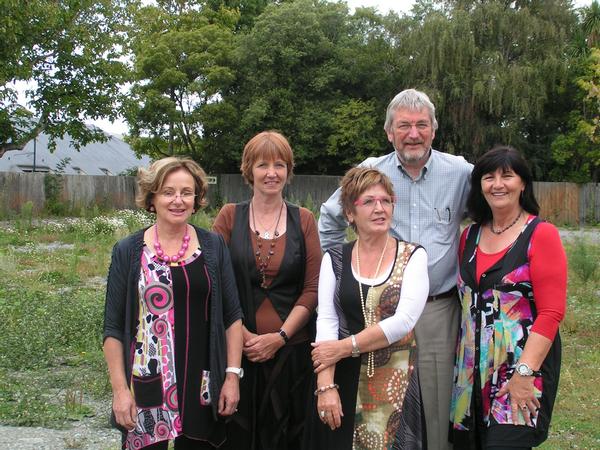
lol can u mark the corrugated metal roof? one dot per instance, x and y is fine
(98, 158)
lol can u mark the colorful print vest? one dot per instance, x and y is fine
(497, 314)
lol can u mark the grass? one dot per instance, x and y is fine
(52, 370)
(577, 411)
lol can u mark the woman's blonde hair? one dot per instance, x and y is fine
(268, 146)
(356, 181)
(151, 180)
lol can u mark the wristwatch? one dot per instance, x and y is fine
(237, 370)
(525, 371)
(355, 350)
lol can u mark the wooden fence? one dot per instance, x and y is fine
(561, 203)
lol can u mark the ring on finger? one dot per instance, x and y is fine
(524, 407)
(323, 414)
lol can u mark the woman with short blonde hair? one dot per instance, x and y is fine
(172, 324)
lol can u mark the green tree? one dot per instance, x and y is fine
(317, 74)
(249, 10)
(591, 24)
(492, 69)
(354, 126)
(181, 54)
(576, 152)
(69, 53)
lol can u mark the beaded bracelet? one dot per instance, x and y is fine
(322, 389)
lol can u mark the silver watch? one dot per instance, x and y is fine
(237, 370)
(525, 371)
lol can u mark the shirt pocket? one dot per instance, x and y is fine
(147, 391)
(443, 214)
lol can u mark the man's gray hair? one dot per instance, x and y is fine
(412, 100)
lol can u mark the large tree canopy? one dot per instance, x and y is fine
(317, 74)
(206, 75)
(181, 55)
(491, 68)
(68, 51)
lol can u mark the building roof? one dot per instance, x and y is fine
(97, 158)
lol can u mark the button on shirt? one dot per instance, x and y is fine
(428, 211)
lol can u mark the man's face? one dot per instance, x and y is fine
(411, 134)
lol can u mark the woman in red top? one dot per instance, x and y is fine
(512, 285)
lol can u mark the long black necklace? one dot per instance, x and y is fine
(263, 263)
(506, 227)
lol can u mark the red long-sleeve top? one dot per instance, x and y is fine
(548, 270)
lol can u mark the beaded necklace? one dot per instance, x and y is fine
(171, 259)
(263, 263)
(368, 308)
(267, 234)
(497, 232)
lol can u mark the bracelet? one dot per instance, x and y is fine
(322, 389)
(355, 349)
(284, 335)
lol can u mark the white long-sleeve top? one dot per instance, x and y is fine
(413, 295)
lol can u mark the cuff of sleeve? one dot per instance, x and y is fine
(113, 334)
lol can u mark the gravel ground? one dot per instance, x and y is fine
(80, 436)
(588, 235)
(91, 433)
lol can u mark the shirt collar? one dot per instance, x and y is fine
(425, 168)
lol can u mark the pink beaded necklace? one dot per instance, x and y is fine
(171, 259)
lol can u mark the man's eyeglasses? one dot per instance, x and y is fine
(370, 201)
(172, 195)
(407, 126)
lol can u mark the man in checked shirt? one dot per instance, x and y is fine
(431, 191)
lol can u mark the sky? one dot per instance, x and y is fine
(383, 6)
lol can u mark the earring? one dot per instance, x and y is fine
(152, 209)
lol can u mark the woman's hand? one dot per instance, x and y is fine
(124, 409)
(327, 353)
(522, 399)
(329, 408)
(230, 395)
(263, 347)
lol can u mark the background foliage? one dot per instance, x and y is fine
(200, 77)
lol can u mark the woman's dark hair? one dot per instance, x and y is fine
(506, 158)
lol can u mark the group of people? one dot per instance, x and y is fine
(409, 336)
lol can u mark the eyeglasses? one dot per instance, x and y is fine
(370, 201)
(407, 126)
(172, 195)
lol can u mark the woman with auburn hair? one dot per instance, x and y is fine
(276, 255)
(372, 291)
(512, 285)
(172, 322)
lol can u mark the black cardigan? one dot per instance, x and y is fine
(121, 308)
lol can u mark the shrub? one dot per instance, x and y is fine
(583, 260)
